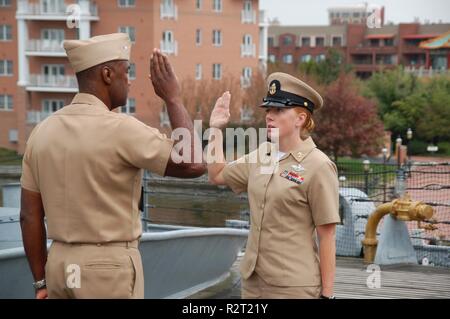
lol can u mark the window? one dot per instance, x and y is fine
(51, 70)
(198, 37)
(198, 4)
(126, 3)
(164, 117)
(6, 67)
(217, 71)
(130, 107)
(130, 30)
(248, 5)
(320, 57)
(50, 106)
(6, 102)
(5, 32)
(287, 58)
(198, 72)
(53, 35)
(389, 42)
(270, 42)
(272, 58)
(305, 58)
(168, 10)
(356, 14)
(248, 48)
(132, 71)
(217, 38)
(246, 79)
(217, 5)
(306, 42)
(287, 40)
(53, 6)
(320, 41)
(168, 43)
(337, 41)
(246, 114)
(5, 3)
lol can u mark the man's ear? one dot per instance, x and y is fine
(107, 74)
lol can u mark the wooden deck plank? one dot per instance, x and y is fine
(397, 281)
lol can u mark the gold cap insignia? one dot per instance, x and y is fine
(273, 89)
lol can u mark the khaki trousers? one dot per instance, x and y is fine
(256, 288)
(94, 271)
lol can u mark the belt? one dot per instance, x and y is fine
(125, 244)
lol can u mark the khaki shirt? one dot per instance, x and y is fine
(86, 162)
(286, 205)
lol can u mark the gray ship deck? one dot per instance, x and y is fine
(397, 281)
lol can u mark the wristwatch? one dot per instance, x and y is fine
(325, 297)
(40, 284)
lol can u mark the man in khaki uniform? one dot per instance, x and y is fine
(82, 170)
(288, 201)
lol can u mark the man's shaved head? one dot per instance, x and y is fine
(108, 81)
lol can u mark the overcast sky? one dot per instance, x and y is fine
(314, 12)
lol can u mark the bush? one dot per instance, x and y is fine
(444, 148)
(418, 147)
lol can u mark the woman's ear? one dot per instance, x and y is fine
(301, 119)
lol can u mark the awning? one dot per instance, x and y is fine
(419, 36)
(440, 42)
(379, 36)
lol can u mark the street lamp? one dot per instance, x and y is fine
(398, 145)
(342, 179)
(366, 165)
(385, 151)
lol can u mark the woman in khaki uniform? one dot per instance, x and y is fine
(291, 202)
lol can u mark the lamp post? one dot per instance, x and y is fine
(398, 147)
(366, 165)
(384, 150)
(409, 136)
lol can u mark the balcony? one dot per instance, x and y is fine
(169, 12)
(59, 12)
(51, 48)
(52, 83)
(248, 50)
(36, 117)
(248, 16)
(170, 48)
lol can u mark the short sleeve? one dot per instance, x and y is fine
(27, 180)
(143, 146)
(323, 195)
(236, 174)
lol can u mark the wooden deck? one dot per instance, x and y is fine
(399, 281)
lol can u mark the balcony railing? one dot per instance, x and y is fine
(248, 50)
(52, 83)
(424, 72)
(169, 47)
(248, 16)
(45, 47)
(169, 12)
(36, 117)
(56, 12)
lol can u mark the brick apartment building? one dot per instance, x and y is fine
(205, 39)
(422, 48)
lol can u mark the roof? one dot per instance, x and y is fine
(419, 36)
(379, 36)
(440, 42)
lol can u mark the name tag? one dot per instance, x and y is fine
(293, 177)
